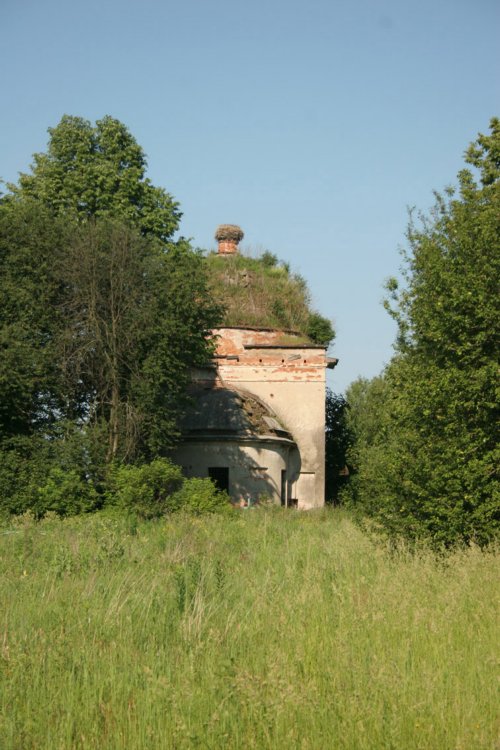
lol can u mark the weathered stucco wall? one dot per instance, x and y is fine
(255, 468)
(291, 379)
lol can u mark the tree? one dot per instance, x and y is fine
(136, 319)
(31, 396)
(109, 324)
(97, 171)
(30, 240)
(179, 322)
(103, 272)
(102, 316)
(371, 436)
(437, 475)
(338, 440)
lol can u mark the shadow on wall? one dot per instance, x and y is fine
(244, 468)
(236, 440)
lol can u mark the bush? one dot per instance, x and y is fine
(145, 490)
(64, 493)
(199, 496)
(320, 329)
(269, 260)
(25, 464)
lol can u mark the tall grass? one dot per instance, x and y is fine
(264, 630)
(256, 294)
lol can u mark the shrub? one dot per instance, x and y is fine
(320, 329)
(269, 260)
(64, 493)
(199, 496)
(23, 467)
(145, 490)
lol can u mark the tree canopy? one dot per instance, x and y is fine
(98, 171)
(102, 317)
(30, 240)
(338, 441)
(431, 466)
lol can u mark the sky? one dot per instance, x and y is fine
(314, 125)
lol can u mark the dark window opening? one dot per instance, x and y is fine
(283, 488)
(219, 476)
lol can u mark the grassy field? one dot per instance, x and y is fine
(264, 630)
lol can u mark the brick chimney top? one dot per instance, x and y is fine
(228, 236)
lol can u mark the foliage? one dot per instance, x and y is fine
(98, 327)
(276, 630)
(97, 171)
(26, 461)
(30, 241)
(101, 319)
(154, 489)
(131, 334)
(373, 441)
(263, 292)
(319, 329)
(338, 441)
(431, 467)
(147, 489)
(64, 493)
(178, 324)
(24, 465)
(200, 496)
(269, 259)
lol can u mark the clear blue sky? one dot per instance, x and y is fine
(312, 124)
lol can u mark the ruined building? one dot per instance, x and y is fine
(257, 427)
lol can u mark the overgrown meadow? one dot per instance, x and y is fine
(263, 629)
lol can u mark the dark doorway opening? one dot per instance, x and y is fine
(284, 498)
(219, 476)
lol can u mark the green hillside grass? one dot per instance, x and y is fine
(261, 630)
(263, 292)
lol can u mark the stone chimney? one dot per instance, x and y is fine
(228, 236)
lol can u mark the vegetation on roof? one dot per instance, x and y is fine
(229, 232)
(265, 292)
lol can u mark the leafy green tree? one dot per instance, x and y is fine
(179, 322)
(136, 317)
(371, 432)
(97, 171)
(101, 315)
(100, 328)
(436, 457)
(30, 240)
(338, 441)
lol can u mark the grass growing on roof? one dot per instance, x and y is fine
(261, 292)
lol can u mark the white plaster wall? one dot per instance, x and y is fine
(291, 380)
(254, 468)
(300, 406)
